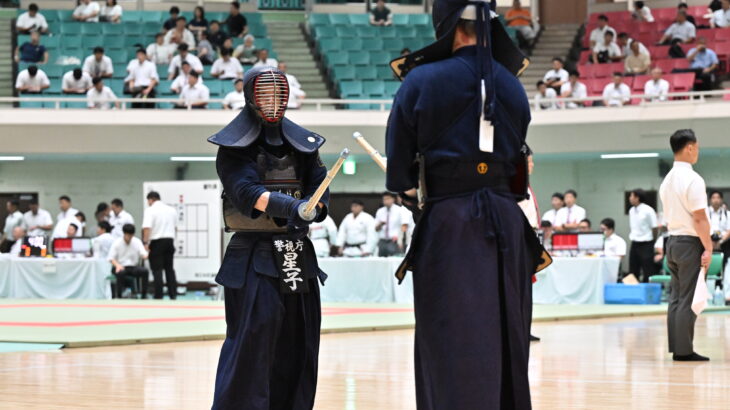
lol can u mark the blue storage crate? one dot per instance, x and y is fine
(641, 294)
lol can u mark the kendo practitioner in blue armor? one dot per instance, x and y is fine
(269, 167)
(457, 132)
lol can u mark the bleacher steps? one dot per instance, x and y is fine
(6, 56)
(554, 41)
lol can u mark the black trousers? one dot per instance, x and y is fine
(708, 79)
(387, 247)
(641, 260)
(161, 256)
(136, 273)
(725, 247)
(137, 93)
(683, 259)
(5, 246)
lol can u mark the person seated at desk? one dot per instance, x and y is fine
(584, 225)
(104, 240)
(72, 229)
(125, 254)
(613, 244)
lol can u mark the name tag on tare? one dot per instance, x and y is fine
(486, 130)
(486, 136)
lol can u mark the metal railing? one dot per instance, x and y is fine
(329, 104)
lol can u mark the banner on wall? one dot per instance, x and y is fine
(198, 244)
(281, 4)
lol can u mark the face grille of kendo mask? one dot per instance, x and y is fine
(271, 95)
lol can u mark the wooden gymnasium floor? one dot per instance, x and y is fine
(612, 363)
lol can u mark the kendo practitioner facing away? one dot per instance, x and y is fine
(457, 132)
(269, 166)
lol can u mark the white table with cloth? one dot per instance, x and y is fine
(575, 280)
(50, 278)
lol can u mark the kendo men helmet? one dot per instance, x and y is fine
(266, 91)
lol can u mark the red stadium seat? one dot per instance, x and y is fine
(637, 87)
(606, 70)
(726, 97)
(664, 14)
(669, 64)
(595, 86)
(722, 36)
(587, 70)
(658, 52)
(681, 83)
(708, 33)
(584, 57)
(650, 39)
(644, 27)
(723, 54)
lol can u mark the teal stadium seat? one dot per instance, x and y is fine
(130, 41)
(55, 88)
(391, 87)
(64, 15)
(133, 29)
(53, 70)
(419, 19)
(360, 19)
(344, 73)
(90, 29)
(151, 27)
(206, 72)
(219, 16)
(89, 42)
(154, 17)
(114, 42)
(400, 19)
(359, 58)
(366, 31)
(345, 31)
(426, 32)
(80, 104)
(351, 89)
(54, 27)
(330, 44)
(113, 29)
(373, 89)
(351, 44)
(227, 87)
(164, 87)
(51, 42)
(264, 43)
(258, 30)
(130, 16)
(319, 19)
(367, 73)
(385, 73)
(325, 32)
(117, 56)
(71, 29)
(340, 19)
(387, 32)
(406, 31)
(254, 18)
(394, 44)
(31, 104)
(162, 71)
(120, 70)
(50, 15)
(379, 58)
(24, 38)
(372, 44)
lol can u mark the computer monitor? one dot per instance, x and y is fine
(78, 246)
(34, 246)
(577, 241)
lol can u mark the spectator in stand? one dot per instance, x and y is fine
(585, 225)
(183, 55)
(32, 80)
(215, 35)
(171, 22)
(264, 60)
(101, 97)
(545, 92)
(613, 245)
(624, 42)
(616, 93)
(557, 203)
(657, 88)
(721, 18)
(574, 89)
(405, 52)
(236, 22)
(142, 79)
(681, 29)
(87, 11)
(159, 52)
(606, 51)
(182, 80)
(682, 8)
(31, 21)
(206, 52)
(642, 12)
(381, 15)
(597, 35)
(637, 62)
(226, 68)
(111, 12)
(703, 62)
(198, 24)
(99, 65)
(33, 51)
(180, 35)
(521, 20)
(76, 81)
(235, 100)
(246, 52)
(38, 221)
(296, 94)
(568, 217)
(557, 76)
(227, 45)
(194, 94)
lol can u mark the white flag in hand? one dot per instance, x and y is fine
(699, 301)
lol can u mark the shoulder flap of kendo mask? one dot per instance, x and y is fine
(302, 139)
(239, 133)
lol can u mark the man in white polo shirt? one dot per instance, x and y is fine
(118, 217)
(557, 202)
(98, 64)
(681, 29)
(642, 219)
(101, 97)
(87, 11)
(158, 234)
(613, 245)
(142, 79)
(657, 88)
(568, 217)
(225, 67)
(12, 221)
(38, 221)
(175, 66)
(689, 246)
(67, 214)
(76, 81)
(235, 100)
(194, 94)
(32, 80)
(125, 254)
(31, 21)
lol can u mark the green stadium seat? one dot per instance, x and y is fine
(359, 58)
(206, 72)
(55, 88)
(400, 19)
(366, 31)
(164, 87)
(384, 72)
(114, 42)
(379, 58)
(90, 29)
(133, 28)
(117, 56)
(344, 73)
(340, 19)
(321, 32)
(258, 30)
(372, 44)
(162, 71)
(227, 87)
(72, 29)
(374, 89)
(351, 44)
(151, 27)
(394, 44)
(425, 32)
(130, 16)
(254, 18)
(215, 87)
(54, 27)
(360, 19)
(367, 73)
(50, 15)
(53, 70)
(337, 58)
(130, 41)
(319, 19)
(387, 32)
(330, 44)
(50, 42)
(120, 70)
(419, 19)
(406, 31)
(350, 89)
(391, 87)
(31, 104)
(154, 16)
(263, 43)
(345, 31)
(112, 29)
(64, 15)
(89, 42)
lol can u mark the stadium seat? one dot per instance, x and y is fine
(386, 32)
(400, 19)
(345, 31)
(681, 83)
(318, 19)
(113, 29)
(406, 31)
(117, 56)
(71, 29)
(162, 71)
(55, 88)
(385, 73)
(330, 44)
(595, 86)
(722, 36)
(359, 19)
(80, 104)
(206, 72)
(215, 87)
(89, 42)
(657, 52)
(130, 41)
(639, 81)
(154, 17)
(340, 19)
(258, 30)
(133, 29)
(419, 19)
(49, 42)
(325, 32)
(344, 73)
(90, 29)
(131, 16)
(350, 89)
(366, 73)
(366, 31)
(120, 70)
(669, 64)
(64, 15)
(31, 104)
(264, 43)
(151, 27)
(359, 58)
(337, 58)
(394, 44)
(351, 44)
(372, 44)
(374, 89)
(379, 58)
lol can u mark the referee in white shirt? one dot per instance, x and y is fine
(389, 225)
(158, 233)
(689, 246)
(642, 219)
(719, 225)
